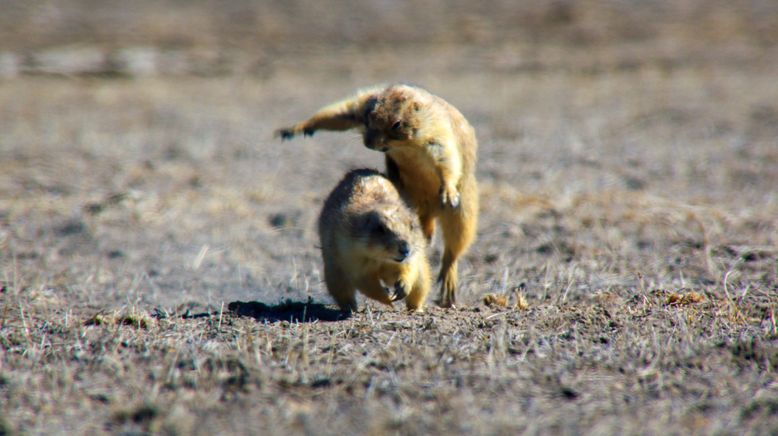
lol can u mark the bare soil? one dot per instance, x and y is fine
(159, 269)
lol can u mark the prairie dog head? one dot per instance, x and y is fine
(392, 118)
(387, 233)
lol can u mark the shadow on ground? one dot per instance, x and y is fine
(292, 311)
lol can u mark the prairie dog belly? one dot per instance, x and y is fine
(418, 175)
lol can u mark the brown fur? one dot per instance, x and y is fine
(371, 240)
(430, 156)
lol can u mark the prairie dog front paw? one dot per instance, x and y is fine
(287, 133)
(400, 290)
(449, 196)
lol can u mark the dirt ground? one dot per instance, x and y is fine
(159, 268)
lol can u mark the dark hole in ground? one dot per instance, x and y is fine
(292, 311)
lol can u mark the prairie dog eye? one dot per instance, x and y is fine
(396, 125)
(381, 230)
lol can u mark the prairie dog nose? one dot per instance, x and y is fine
(405, 249)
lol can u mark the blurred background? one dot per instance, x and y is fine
(137, 158)
(242, 36)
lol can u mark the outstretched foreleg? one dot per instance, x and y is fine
(343, 115)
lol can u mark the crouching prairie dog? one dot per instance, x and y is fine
(371, 241)
(430, 151)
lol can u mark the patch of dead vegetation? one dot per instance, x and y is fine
(504, 300)
(684, 299)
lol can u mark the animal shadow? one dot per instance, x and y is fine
(292, 311)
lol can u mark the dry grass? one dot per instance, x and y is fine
(606, 365)
(158, 261)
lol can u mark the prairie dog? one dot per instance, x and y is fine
(371, 241)
(430, 151)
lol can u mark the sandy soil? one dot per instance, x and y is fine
(158, 257)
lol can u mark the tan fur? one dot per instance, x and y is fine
(430, 156)
(371, 241)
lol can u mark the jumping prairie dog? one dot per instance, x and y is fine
(371, 242)
(430, 151)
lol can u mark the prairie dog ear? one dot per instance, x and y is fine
(416, 106)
